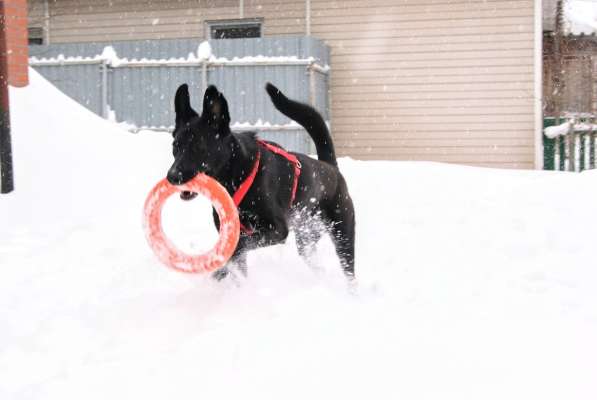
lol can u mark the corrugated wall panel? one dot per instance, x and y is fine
(244, 89)
(143, 96)
(154, 49)
(82, 83)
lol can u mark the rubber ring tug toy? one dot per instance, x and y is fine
(166, 251)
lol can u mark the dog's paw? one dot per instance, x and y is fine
(186, 195)
(220, 274)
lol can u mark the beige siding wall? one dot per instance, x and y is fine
(549, 14)
(441, 80)
(89, 20)
(36, 13)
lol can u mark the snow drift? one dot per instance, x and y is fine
(473, 283)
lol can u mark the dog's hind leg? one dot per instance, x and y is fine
(342, 230)
(308, 229)
(343, 237)
(306, 242)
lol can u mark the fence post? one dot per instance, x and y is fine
(549, 149)
(591, 144)
(581, 151)
(571, 148)
(561, 153)
(104, 72)
(6, 167)
(203, 77)
(312, 98)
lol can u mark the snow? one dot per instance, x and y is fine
(569, 126)
(110, 56)
(580, 17)
(204, 54)
(204, 51)
(559, 130)
(472, 283)
(237, 126)
(261, 125)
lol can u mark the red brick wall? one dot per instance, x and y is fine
(16, 41)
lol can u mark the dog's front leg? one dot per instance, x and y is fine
(239, 259)
(272, 232)
(265, 234)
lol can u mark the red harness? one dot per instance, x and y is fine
(240, 194)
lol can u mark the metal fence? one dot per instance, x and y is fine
(135, 81)
(569, 143)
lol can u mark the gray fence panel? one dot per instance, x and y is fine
(155, 49)
(144, 96)
(269, 47)
(299, 46)
(67, 50)
(244, 88)
(321, 94)
(82, 83)
(295, 140)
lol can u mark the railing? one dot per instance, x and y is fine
(569, 143)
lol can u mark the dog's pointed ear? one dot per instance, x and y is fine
(182, 105)
(215, 108)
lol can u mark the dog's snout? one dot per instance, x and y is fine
(174, 176)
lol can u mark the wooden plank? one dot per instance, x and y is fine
(498, 159)
(419, 6)
(367, 46)
(429, 114)
(418, 128)
(431, 80)
(448, 18)
(431, 132)
(492, 152)
(385, 70)
(374, 102)
(426, 143)
(517, 88)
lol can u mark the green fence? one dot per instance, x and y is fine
(569, 143)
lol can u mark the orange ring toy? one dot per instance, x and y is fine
(166, 251)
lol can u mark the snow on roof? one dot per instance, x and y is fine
(580, 17)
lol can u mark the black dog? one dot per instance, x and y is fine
(283, 184)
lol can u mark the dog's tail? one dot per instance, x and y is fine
(310, 119)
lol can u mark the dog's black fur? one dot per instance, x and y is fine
(204, 143)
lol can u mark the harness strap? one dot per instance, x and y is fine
(243, 189)
(240, 194)
(290, 157)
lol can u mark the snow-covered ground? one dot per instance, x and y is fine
(472, 283)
